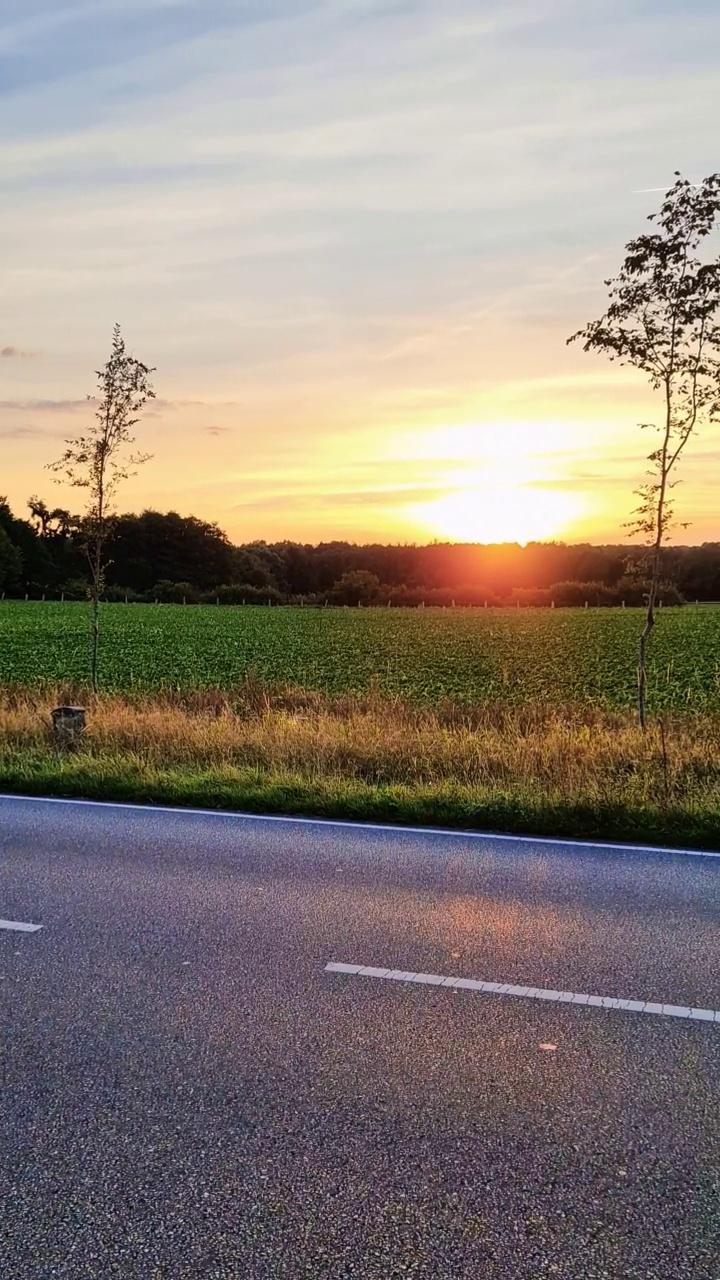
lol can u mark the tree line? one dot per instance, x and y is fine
(170, 557)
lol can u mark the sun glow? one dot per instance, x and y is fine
(499, 482)
(503, 513)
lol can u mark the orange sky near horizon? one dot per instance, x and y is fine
(353, 237)
(392, 467)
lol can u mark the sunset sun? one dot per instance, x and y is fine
(503, 513)
(497, 482)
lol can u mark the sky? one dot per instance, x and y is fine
(353, 237)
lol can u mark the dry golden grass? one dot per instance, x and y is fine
(563, 756)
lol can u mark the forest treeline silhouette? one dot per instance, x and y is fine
(167, 556)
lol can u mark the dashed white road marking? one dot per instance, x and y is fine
(527, 993)
(17, 926)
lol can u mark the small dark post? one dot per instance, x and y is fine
(68, 726)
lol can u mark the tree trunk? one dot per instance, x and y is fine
(662, 483)
(642, 663)
(97, 585)
(95, 639)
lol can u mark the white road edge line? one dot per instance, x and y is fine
(397, 829)
(17, 926)
(526, 993)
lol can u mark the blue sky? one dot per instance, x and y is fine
(343, 231)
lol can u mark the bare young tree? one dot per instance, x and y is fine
(99, 461)
(662, 320)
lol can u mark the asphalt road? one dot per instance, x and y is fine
(186, 1092)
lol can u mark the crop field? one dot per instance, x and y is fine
(423, 655)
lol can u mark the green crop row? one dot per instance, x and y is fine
(425, 655)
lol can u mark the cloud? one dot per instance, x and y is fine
(325, 219)
(389, 497)
(161, 403)
(14, 353)
(23, 433)
(43, 406)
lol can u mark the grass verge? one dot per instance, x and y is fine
(534, 769)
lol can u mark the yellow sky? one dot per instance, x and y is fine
(515, 461)
(353, 237)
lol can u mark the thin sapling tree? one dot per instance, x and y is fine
(102, 458)
(661, 319)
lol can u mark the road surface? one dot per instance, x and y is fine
(188, 1091)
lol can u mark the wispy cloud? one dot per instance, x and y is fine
(23, 432)
(44, 406)
(15, 353)
(323, 218)
(310, 498)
